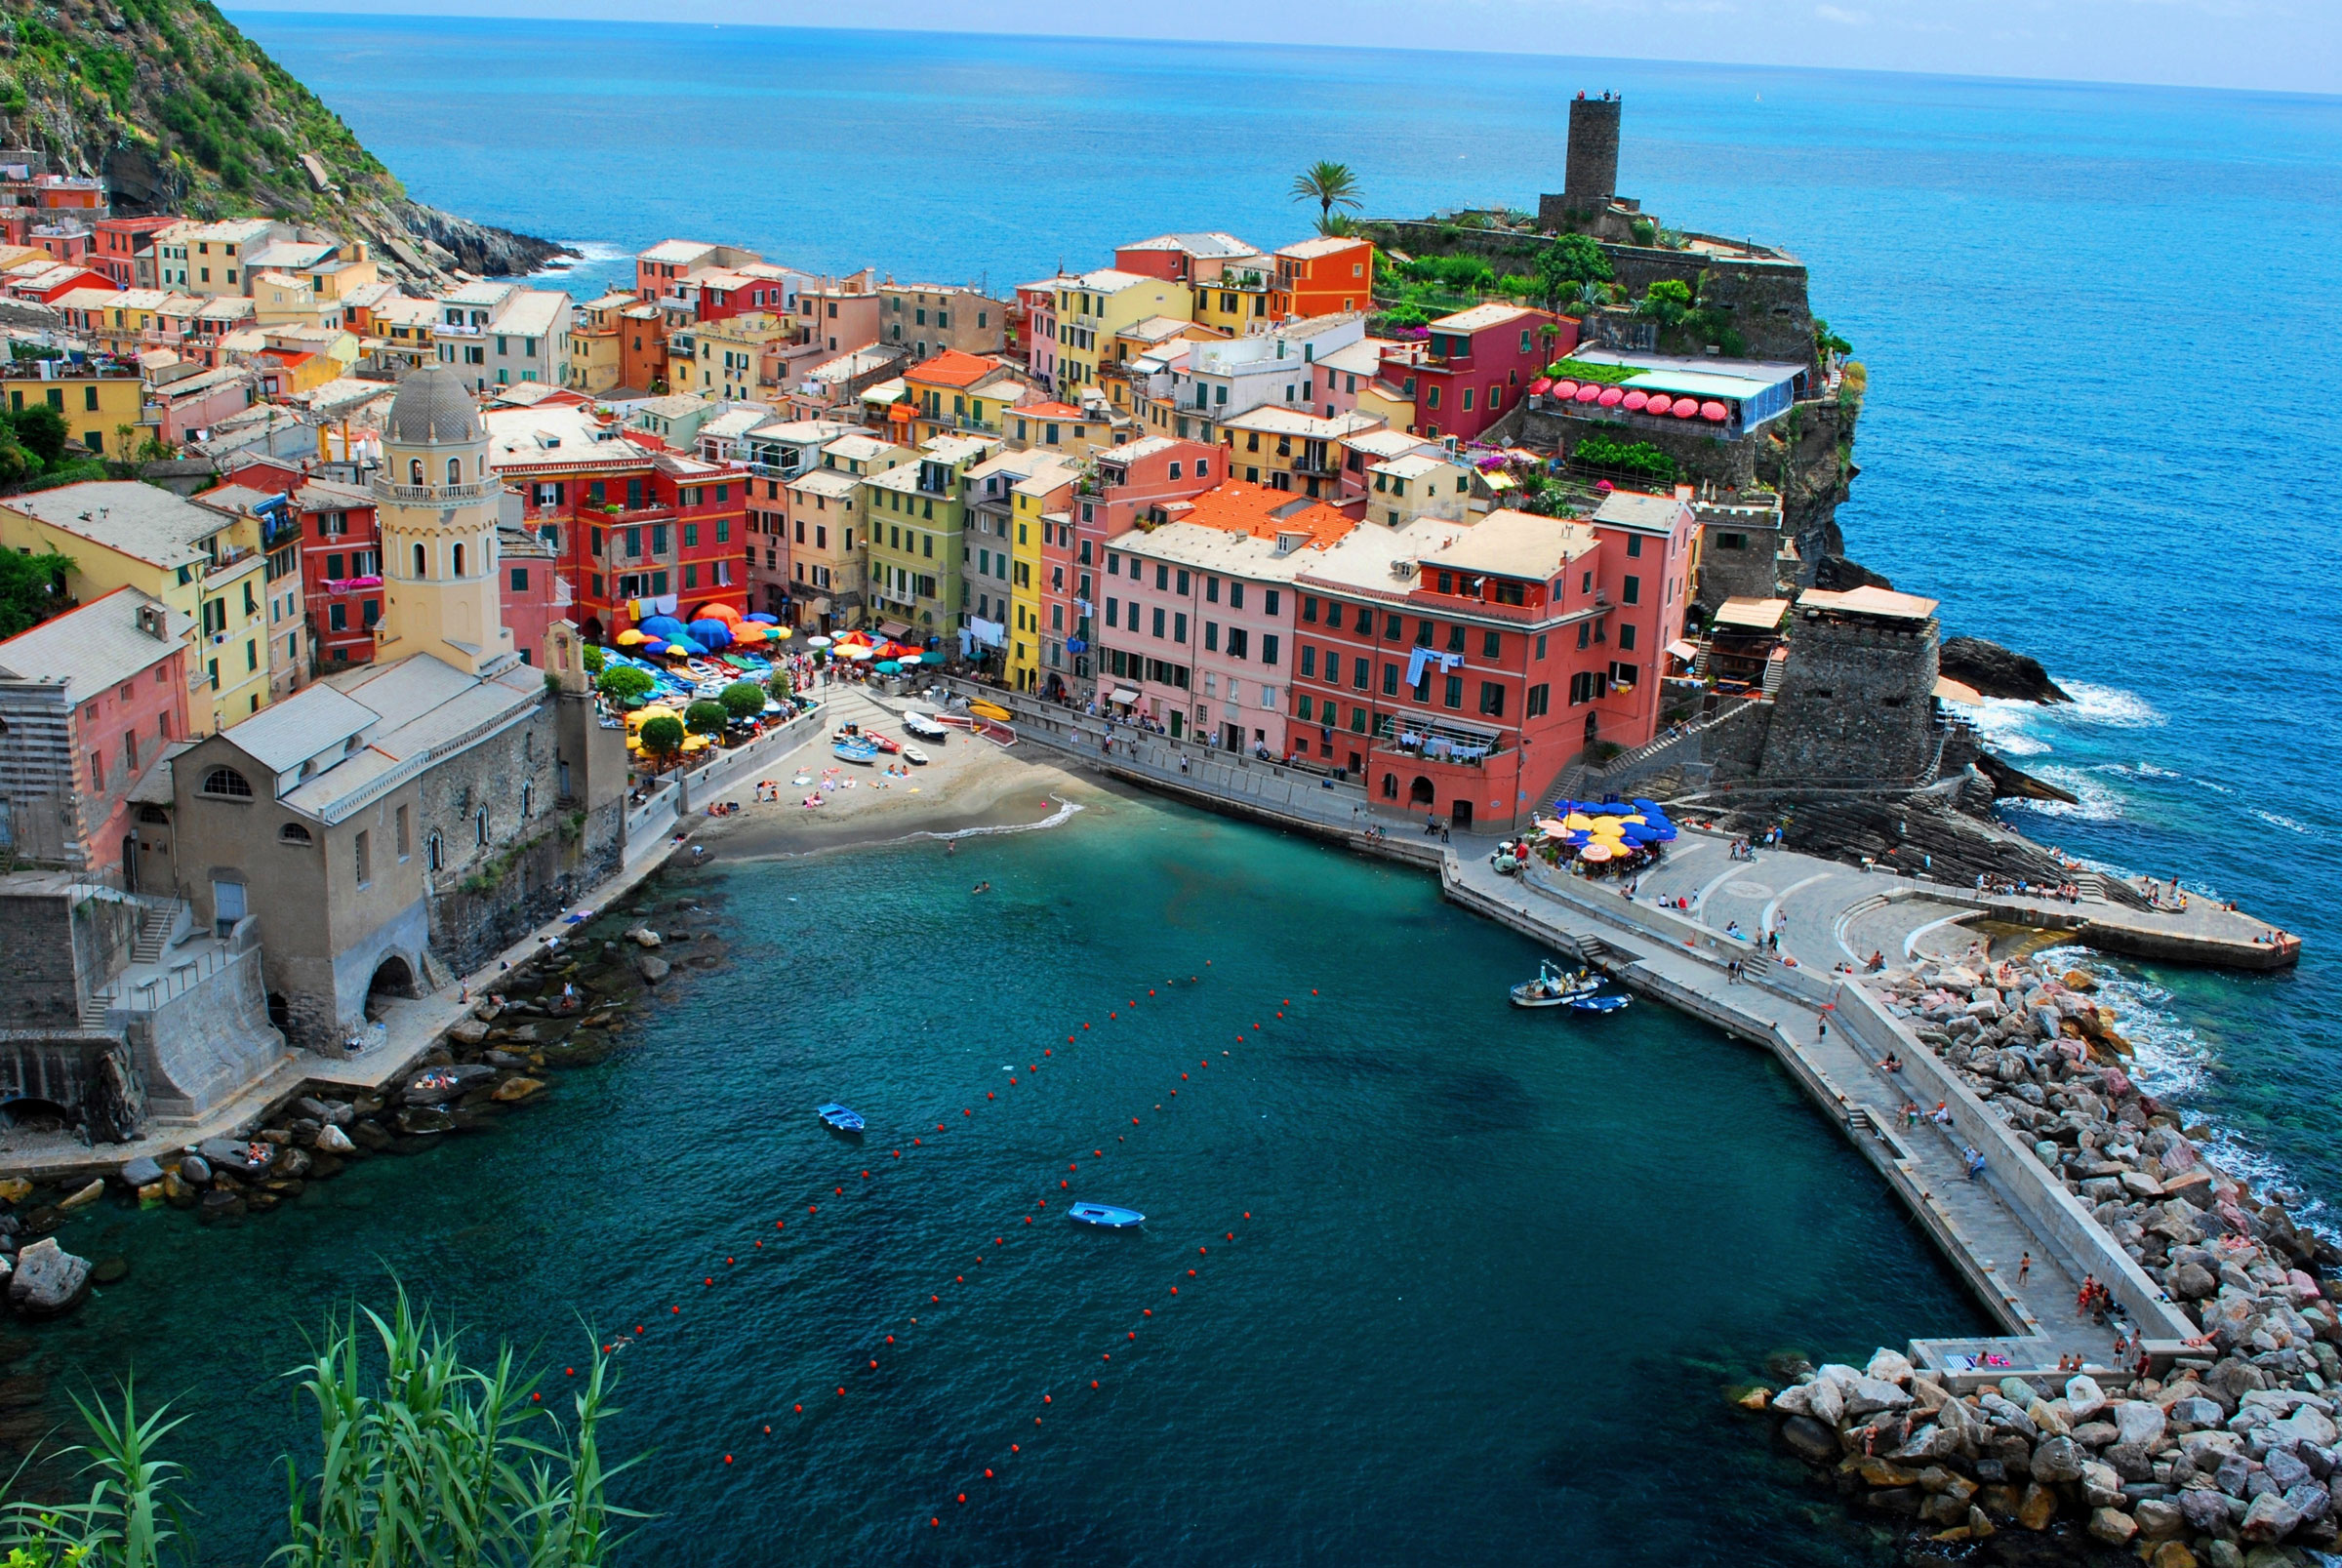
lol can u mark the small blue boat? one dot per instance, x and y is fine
(1105, 1216)
(840, 1117)
(1598, 1004)
(856, 752)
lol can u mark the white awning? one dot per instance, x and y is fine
(1680, 649)
(1123, 695)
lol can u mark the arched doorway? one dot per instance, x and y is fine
(1459, 815)
(1419, 793)
(280, 1011)
(393, 980)
(592, 629)
(35, 1115)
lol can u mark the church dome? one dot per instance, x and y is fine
(432, 408)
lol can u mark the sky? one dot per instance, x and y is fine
(2290, 45)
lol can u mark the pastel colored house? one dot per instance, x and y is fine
(1477, 365)
(89, 701)
(1318, 278)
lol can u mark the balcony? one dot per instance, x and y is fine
(463, 495)
(230, 562)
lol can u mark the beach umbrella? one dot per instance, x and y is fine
(1713, 412)
(1660, 403)
(1644, 803)
(653, 645)
(1611, 397)
(887, 667)
(859, 652)
(629, 638)
(1551, 826)
(782, 632)
(684, 648)
(1590, 392)
(711, 632)
(1565, 390)
(716, 611)
(818, 642)
(1577, 821)
(1687, 409)
(664, 627)
(1541, 386)
(911, 658)
(1594, 852)
(764, 620)
(747, 631)
(1636, 402)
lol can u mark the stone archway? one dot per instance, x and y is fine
(1420, 793)
(393, 980)
(592, 629)
(28, 1112)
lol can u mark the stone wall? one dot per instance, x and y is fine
(210, 1042)
(63, 941)
(1750, 569)
(1700, 458)
(89, 1076)
(1855, 702)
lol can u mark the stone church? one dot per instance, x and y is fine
(401, 822)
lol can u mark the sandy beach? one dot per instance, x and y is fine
(968, 786)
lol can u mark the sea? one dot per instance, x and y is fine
(1477, 1283)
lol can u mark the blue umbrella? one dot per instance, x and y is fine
(769, 621)
(711, 633)
(684, 645)
(655, 645)
(663, 626)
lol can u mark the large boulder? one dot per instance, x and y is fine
(2138, 1422)
(2112, 1526)
(2084, 1397)
(2056, 1459)
(1868, 1396)
(48, 1280)
(2192, 1282)
(2308, 1425)
(144, 1171)
(2270, 1518)
(334, 1141)
(1892, 1366)
(651, 968)
(1809, 1439)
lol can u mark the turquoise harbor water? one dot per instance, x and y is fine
(1472, 1231)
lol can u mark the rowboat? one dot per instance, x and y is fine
(854, 752)
(990, 710)
(840, 1117)
(1552, 988)
(1599, 1004)
(920, 725)
(1105, 1216)
(912, 754)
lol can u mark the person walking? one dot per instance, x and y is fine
(1821, 1030)
(2024, 1267)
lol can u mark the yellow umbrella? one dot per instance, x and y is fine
(782, 632)
(629, 638)
(696, 742)
(747, 631)
(1577, 822)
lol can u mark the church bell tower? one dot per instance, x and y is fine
(437, 507)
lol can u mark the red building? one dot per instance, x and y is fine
(49, 284)
(1322, 277)
(119, 242)
(340, 568)
(1477, 365)
(1458, 668)
(89, 700)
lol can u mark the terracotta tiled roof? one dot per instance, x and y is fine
(952, 368)
(1264, 514)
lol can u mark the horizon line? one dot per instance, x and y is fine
(330, 14)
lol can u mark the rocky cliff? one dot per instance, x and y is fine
(182, 113)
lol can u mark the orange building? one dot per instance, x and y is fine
(1320, 276)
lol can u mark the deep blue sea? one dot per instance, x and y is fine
(2098, 323)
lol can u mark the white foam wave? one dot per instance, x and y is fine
(2108, 706)
(2278, 820)
(1064, 813)
(589, 253)
(2138, 770)
(2008, 727)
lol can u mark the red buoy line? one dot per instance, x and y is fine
(1047, 1406)
(675, 1311)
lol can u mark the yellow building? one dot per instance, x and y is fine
(282, 299)
(962, 394)
(1235, 298)
(1058, 427)
(209, 567)
(724, 359)
(1286, 449)
(103, 413)
(1096, 307)
(598, 357)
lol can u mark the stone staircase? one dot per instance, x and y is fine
(154, 932)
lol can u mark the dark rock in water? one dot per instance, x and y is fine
(48, 1281)
(1837, 574)
(652, 970)
(475, 1118)
(260, 1202)
(370, 1135)
(2012, 784)
(417, 1121)
(40, 1222)
(1809, 1439)
(195, 1171)
(142, 1172)
(1998, 672)
(333, 1112)
(324, 1167)
(444, 1083)
(109, 1271)
(293, 1164)
(235, 1158)
(331, 1142)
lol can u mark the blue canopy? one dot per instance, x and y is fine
(760, 617)
(655, 645)
(711, 633)
(662, 627)
(684, 645)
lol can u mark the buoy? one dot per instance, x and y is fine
(1203, 1249)
(988, 1475)
(1191, 1273)
(963, 1497)
(990, 1095)
(780, 1225)
(638, 1328)
(1061, 1182)
(535, 1398)
(934, 1298)
(677, 1310)
(960, 1280)
(1313, 990)
(1100, 1152)
(935, 1522)
(1232, 1235)
(1149, 991)
(964, 1114)
(890, 1339)
(1106, 1355)
(865, 1175)
(898, 1154)
(711, 1279)
(800, 1410)
(1046, 1052)
(1247, 1214)
(999, 1241)
(1183, 1079)
(727, 1458)
(809, 1209)
(841, 1392)
(569, 1372)
(768, 1431)
(1015, 1449)
(1045, 1399)
(873, 1366)
(1029, 1218)
(1070, 1167)
(1037, 1421)
(1093, 1382)
(1175, 1290)
(1134, 1121)
(1134, 1333)
(728, 1260)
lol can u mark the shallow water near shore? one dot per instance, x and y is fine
(1500, 1271)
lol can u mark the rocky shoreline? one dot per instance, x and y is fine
(570, 1007)
(2231, 1456)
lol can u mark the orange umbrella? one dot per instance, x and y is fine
(720, 612)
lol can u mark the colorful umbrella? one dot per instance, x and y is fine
(1594, 852)
(664, 627)
(766, 620)
(629, 638)
(887, 667)
(716, 611)
(818, 642)
(652, 645)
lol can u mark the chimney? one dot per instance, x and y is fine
(155, 621)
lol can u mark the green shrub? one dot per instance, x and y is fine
(1626, 456)
(595, 660)
(663, 737)
(621, 682)
(743, 698)
(1578, 370)
(1644, 230)
(1667, 301)
(704, 718)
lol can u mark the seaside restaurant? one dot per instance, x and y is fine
(1726, 397)
(1744, 641)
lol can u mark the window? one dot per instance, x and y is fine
(1239, 642)
(1630, 590)
(1309, 606)
(1453, 697)
(1540, 702)
(293, 834)
(400, 837)
(1158, 619)
(1269, 646)
(1389, 680)
(338, 617)
(520, 579)
(1304, 708)
(1626, 636)
(226, 784)
(1211, 636)
(1360, 671)
(1308, 660)
(479, 827)
(1492, 644)
(365, 859)
(1492, 699)
(1179, 627)
(433, 852)
(1635, 546)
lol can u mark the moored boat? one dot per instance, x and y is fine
(912, 754)
(1552, 988)
(840, 1117)
(1613, 1003)
(1105, 1216)
(922, 726)
(856, 752)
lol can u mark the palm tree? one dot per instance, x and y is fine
(1330, 186)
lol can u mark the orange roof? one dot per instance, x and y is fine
(952, 368)
(1047, 410)
(1264, 514)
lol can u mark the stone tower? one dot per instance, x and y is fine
(1591, 178)
(438, 509)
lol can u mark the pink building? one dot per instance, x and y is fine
(1477, 365)
(1039, 301)
(1197, 614)
(535, 594)
(89, 700)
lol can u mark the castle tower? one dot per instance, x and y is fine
(1591, 178)
(438, 509)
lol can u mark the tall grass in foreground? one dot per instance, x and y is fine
(424, 1461)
